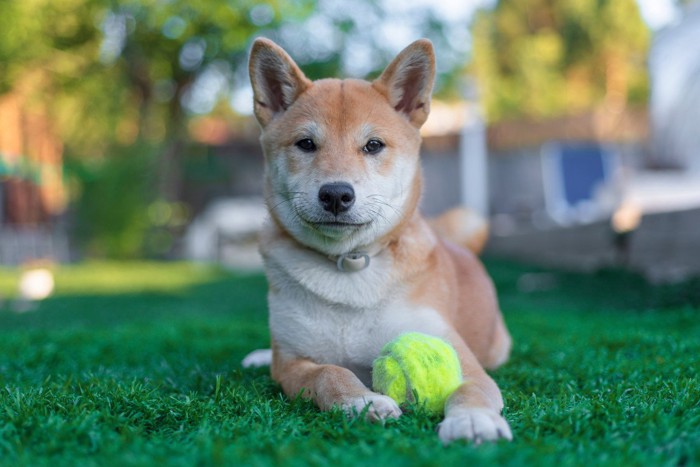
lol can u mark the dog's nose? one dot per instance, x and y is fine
(336, 197)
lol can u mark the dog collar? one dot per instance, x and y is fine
(355, 260)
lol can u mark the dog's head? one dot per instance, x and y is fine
(342, 167)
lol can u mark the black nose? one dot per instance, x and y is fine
(336, 197)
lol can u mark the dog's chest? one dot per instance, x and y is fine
(341, 318)
(306, 326)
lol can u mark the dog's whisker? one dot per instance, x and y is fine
(380, 200)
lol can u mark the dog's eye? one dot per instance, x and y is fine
(306, 145)
(373, 146)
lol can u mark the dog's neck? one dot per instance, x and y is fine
(363, 257)
(397, 259)
(358, 259)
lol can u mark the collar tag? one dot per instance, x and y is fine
(353, 261)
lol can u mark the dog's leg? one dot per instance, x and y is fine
(257, 358)
(331, 386)
(473, 411)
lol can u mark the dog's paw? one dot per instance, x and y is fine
(379, 407)
(477, 425)
(257, 358)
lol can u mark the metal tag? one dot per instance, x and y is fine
(353, 261)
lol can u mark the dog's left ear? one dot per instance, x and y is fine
(408, 81)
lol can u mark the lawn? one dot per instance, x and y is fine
(138, 364)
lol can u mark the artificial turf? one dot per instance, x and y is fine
(138, 364)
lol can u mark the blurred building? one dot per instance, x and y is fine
(674, 68)
(654, 228)
(524, 184)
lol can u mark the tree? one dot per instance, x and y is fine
(119, 70)
(120, 79)
(544, 58)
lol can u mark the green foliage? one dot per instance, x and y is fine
(604, 372)
(116, 71)
(121, 70)
(112, 208)
(538, 58)
(49, 55)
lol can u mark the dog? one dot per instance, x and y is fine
(350, 261)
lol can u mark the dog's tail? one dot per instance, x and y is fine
(463, 227)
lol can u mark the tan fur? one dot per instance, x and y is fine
(326, 325)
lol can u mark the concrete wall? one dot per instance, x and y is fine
(441, 184)
(21, 245)
(665, 247)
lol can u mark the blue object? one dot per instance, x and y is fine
(572, 173)
(582, 169)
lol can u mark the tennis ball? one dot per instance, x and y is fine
(416, 367)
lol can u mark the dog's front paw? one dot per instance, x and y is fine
(477, 425)
(379, 407)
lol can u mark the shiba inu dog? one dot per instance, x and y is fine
(351, 263)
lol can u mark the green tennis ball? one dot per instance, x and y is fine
(416, 367)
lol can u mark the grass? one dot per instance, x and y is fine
(138, 364)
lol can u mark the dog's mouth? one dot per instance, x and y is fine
(334, 225)
(340, 224)
(337, 225)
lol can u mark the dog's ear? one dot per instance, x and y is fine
(277, 81)
(408, 81)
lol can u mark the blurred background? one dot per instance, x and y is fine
(126, 128)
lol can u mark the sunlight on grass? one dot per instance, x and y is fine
(113, 278)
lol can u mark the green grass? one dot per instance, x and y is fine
(138, 364)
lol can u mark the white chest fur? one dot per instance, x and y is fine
(336, 317)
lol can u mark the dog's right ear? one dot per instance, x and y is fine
(408, 81)
(277, 81)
